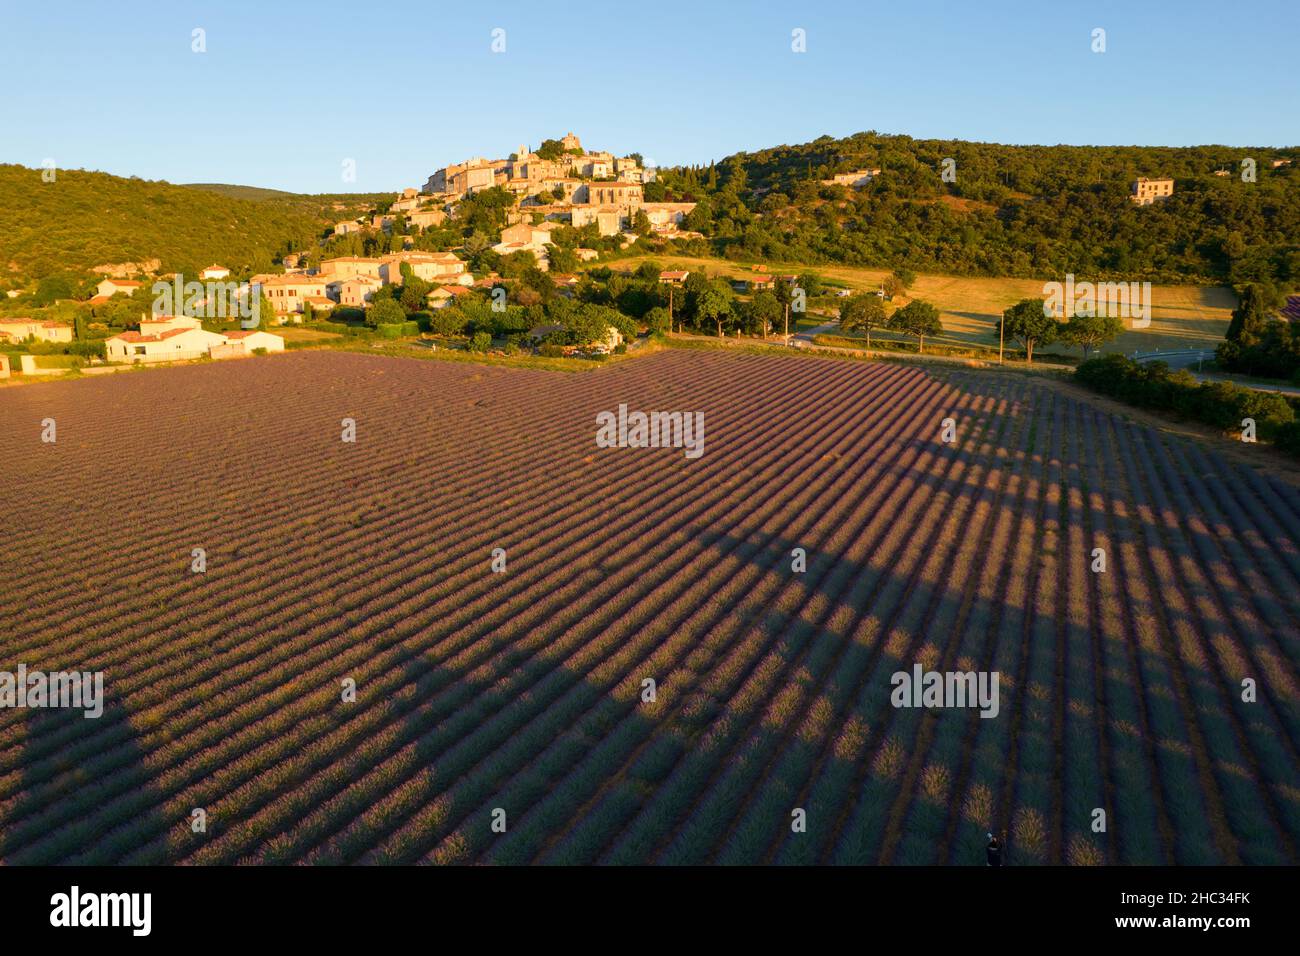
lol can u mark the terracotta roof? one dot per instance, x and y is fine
(125, 283)
(137, 337)
(293, 278)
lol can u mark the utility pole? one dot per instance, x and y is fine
(670, 307)
(1002, 328)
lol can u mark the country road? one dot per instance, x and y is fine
(1189, 358)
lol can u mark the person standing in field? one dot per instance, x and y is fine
(993, 852)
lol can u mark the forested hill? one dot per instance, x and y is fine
(84, 219)
(241, 192)
(1010, 210)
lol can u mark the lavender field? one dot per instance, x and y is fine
(501, 716)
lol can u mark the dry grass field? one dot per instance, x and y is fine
(519, 697)
(970, 308)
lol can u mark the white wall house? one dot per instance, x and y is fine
(182, 344)
(111, 287)
(171, 346)
(251, 339)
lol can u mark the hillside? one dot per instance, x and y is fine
(1009, 210)
(233, 191)
(84, 219)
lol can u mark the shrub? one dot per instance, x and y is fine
(449, 321)
(480, 342)
(1287, 438)
(89, 348)
(1221, 404)
(384, 312)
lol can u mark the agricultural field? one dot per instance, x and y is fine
(970, 307)
(515, 694)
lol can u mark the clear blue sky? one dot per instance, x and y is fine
(287, 91)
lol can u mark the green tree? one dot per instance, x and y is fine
(562, 259)
(1029, 323)
(712, 305)
(448, 321)
(918, 318)
(384, 311)
(784, 294)
(700, 219)
(1250, 319)
(415, 293)
(265, 314)
(862, 313)
(657, 320)
(551, 149)
(1091, 331)
(764, 312)
(649, 271)
(51, 289)
(811, 283)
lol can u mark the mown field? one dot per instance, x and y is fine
(970, 307)
(522, 691)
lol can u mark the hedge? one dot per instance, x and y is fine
(1221, 404)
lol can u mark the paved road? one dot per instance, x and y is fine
(1190, 359)
(825, 328)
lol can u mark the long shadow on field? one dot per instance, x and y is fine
(67, 763)
(837, 594)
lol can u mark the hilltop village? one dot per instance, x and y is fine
(476, 226)
(560, 185)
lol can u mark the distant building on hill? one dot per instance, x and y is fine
(1146, 191)
(111, 287)
(856, 179)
